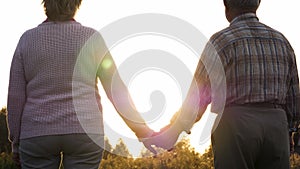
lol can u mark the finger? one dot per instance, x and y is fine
(165, 145)
(171, 149)
(150, 148)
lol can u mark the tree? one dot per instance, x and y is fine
(6, 161)
(182, 157)
(207, 159)
(107, 149)
(121, 149)
(118, 157)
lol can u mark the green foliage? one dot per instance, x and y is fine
(5, 145)
(295, 161)
(107, 149)
(183, 156)
(121, 149)
(6, 161)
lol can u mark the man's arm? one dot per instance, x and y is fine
(192, 109)
(208, 86)
(196, 101)
(293, 95)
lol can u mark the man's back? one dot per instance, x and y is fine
(259, 62)
(262, 94)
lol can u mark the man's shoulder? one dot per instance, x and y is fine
(273, 33)
(232, 33)
(221, 36)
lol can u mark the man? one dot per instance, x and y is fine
(262, 93)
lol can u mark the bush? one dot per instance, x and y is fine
(6, 161)
(182, 157)
(5, 145)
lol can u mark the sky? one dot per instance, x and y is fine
(208, 17)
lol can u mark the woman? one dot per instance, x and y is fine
(53, 101)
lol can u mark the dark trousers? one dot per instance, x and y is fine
(79, 151)
(251, 137)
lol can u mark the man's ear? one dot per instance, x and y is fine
(227, 14)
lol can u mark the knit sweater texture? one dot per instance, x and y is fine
(53, 82)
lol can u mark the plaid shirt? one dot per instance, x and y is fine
(259, 65)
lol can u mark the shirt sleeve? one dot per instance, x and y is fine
(198, 96)
(203, 85)
(293, 95)
(16, 98)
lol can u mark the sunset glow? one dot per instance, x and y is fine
(147, 85)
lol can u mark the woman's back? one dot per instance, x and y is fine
(49, 54)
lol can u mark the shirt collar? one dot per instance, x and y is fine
(244, 17)
(47, 20)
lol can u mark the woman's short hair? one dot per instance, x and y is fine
(241, 4)
(61, 10)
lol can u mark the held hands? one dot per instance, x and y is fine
(165, 138)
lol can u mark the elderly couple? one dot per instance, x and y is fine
(54, 104)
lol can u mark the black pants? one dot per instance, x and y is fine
(250, 137)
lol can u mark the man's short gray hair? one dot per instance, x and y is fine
(242, 4)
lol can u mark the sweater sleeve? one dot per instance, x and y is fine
(16, 98)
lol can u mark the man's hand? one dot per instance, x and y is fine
(149, 143)
(175, 118)
(167, 136)
(145, 136)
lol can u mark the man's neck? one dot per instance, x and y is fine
(236, 13)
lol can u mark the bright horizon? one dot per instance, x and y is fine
(207, 16)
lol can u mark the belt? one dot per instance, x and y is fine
(263, 104)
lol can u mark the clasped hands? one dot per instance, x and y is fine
(165, 138)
